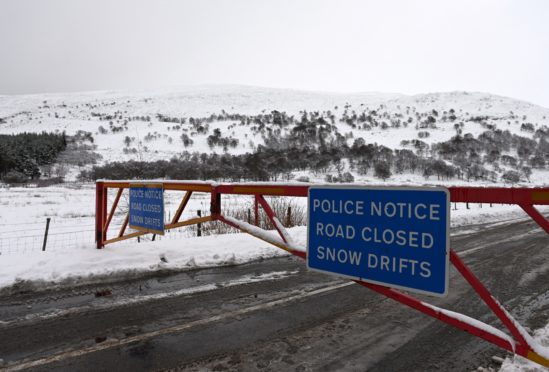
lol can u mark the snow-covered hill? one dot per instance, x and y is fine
(153, 125)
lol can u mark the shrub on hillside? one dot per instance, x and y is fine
(382, 170)
(511, 177)
(341, 178)
(12, 177)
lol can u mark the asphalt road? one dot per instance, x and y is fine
(275, 315)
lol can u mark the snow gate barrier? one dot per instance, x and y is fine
(515, 338)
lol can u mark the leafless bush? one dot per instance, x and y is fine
(289, 212)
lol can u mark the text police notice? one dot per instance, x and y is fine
(147, 207)
(393, 236)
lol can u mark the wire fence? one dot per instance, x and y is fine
(66, 234)
(64, 237)
(32, 241)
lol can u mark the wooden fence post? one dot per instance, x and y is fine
(199, 226)
(46, 234)
(289, 217)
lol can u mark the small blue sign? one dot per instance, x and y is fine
(147, 207)
(393, 236)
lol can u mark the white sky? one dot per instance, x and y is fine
(497, 46)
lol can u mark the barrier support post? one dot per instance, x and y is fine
(536, 216)
(271, 215)
(100, 213)
(113, 209)
(487, 297)
(181, 207)
(256, 210)
(215, 205)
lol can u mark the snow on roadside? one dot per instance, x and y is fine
(483, 213)
(85, 264)
(519, 364)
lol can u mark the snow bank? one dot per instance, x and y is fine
(85, 264)
(520, 364)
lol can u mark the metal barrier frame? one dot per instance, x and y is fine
(520, 342)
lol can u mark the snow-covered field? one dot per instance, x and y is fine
(71, 209)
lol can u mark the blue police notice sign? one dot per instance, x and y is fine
(147, 207)
(393, 236)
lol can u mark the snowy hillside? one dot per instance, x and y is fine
(149, 126)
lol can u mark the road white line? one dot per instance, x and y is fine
(470, 250)
(108, 344)
(518, 237)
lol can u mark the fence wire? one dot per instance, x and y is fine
(66, 234)
(56, 241)
(26, 241)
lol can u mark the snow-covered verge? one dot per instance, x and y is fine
(84, 264)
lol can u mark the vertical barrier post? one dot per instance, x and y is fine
(536, 216)
(104, 209)
(100, 213)
(256, 210)
(215, 204)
